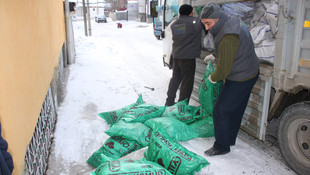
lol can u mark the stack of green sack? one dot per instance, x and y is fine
(139, 125)
(159, 128)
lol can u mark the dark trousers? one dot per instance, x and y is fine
(183, 74)
(228, 111)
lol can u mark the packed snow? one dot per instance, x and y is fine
(112, 67)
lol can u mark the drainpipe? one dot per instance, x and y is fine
(69, 34)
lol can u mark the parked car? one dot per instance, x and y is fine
(101, 18)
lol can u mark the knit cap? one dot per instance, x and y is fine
(211, 11)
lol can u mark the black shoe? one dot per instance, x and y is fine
(214, 152)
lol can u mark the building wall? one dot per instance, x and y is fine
(32, 33)
(93, 11)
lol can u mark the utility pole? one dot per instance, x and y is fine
(84, 17)
(97, 8)
(89, 22)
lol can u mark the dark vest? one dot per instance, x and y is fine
(246, 62)
(186, 36)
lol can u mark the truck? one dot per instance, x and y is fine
(282, 93)
(157, 23)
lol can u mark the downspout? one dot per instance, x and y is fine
(69, 34)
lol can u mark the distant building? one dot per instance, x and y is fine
(116, 9)
(132, 10)
(94, 8)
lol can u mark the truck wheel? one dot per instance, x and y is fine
(294, 137)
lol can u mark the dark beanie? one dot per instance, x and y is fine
(211, 11)
(185, 9)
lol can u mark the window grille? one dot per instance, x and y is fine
(38, 150)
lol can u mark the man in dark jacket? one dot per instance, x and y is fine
(186, 36)
(237, 64)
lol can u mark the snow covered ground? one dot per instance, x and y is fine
(114, 66)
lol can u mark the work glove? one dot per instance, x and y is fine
(209, 78)
(209, 57)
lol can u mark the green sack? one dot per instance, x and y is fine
(204, 127)
(114, 116)
(177, 130)
(173, 156)
(130, 167)
(183, 112)
(143, 112)
(208, 92)
(132, 131)
(114, 148)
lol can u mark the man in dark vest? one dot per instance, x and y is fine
(238, 66)
(186, 36)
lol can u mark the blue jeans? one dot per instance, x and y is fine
(228, 111)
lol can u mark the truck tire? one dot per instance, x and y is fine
(294, 137)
